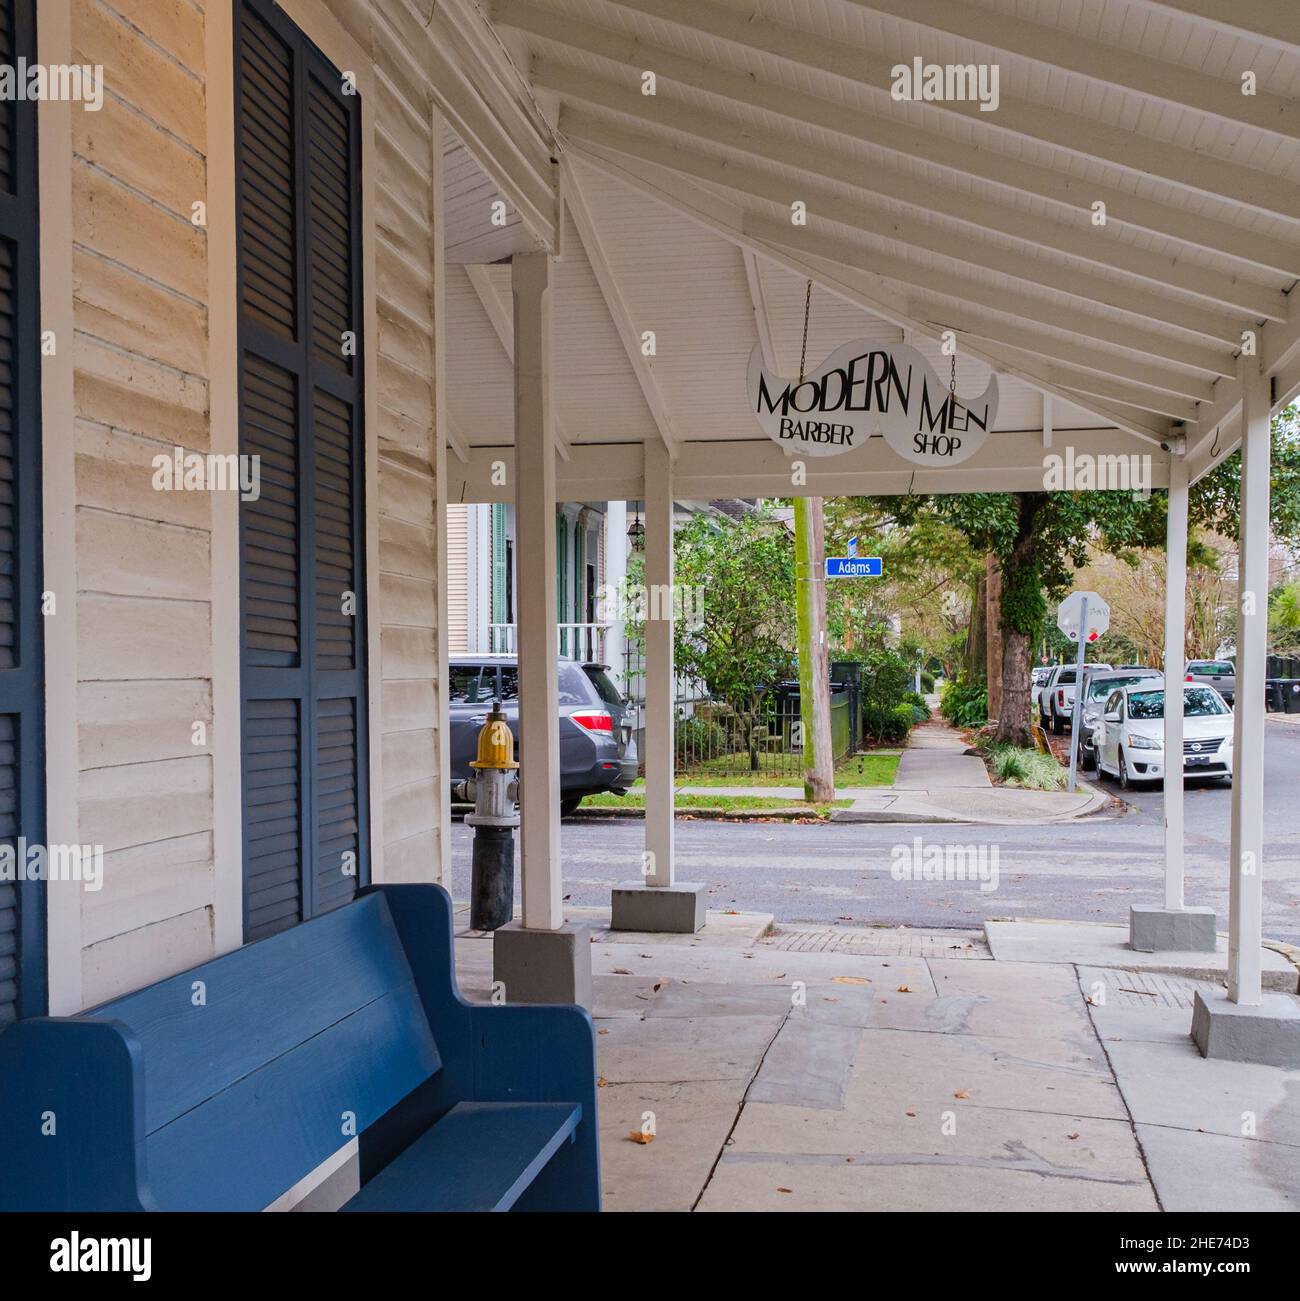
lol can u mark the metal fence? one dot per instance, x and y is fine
(717, 738)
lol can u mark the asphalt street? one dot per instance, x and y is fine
(1092, 869)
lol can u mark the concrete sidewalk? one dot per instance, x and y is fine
(817, 1068)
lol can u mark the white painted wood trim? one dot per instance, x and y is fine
(59, 505)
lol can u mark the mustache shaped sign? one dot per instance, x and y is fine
(863, 389)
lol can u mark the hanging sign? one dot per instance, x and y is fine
(863, 389)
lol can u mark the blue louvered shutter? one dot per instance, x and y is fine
(302, 586)
(22, 747)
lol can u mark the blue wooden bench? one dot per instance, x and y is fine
(222, 1087)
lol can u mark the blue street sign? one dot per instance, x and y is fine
(854, 567)
(853, 547)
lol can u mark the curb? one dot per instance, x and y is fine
(710, 815)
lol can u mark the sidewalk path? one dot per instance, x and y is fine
(935, 761)
(824, 1069)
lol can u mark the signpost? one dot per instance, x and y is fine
(1082, 617)
(853, 547)
(854, 566)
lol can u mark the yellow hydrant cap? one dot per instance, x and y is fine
(496, 742)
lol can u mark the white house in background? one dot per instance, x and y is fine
(592, 545)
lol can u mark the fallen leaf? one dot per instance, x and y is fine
(1072, 1137)
(602, 1031)
(849, 980)
(637, 1136)
(601, 1082)
(785, 1190)
(962, 1093)
(902, 989)
(621, 971)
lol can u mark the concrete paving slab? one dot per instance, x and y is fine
(1143, 1006)
(1090, 944)
(691, 1121)
(1209, 1172)
(669, 1051)
(808, 1064)
(710, 998)
(1016, 999)
(1010, 1175)
(625, 996)
(935, 769)
(1173, 1086)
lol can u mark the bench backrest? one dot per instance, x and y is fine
(261, 1064)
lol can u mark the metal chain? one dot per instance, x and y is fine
(803, 351)
(952, 375)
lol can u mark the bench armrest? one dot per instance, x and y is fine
(71, 1117)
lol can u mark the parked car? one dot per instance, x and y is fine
(1219, 674)
(1096, 692)
(1130, 736)
(597, 745)
(1038, 679)
(1056, 698)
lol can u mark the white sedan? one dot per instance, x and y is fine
(1130, 735)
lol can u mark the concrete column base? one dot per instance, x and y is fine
(1268, 1034)
(1171, 930)
(543, 966)
(635, 906)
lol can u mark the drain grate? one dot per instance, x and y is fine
(880, 942)
(1148, 988)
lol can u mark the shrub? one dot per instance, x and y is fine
(699, 738)
(927, 682)
(1013, 766)
(890, 725)
(964, 703)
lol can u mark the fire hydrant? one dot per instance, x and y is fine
(494, 790)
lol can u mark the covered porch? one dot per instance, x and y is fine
(1115, 240)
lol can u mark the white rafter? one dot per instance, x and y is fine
(865, 292)
(618, 309)
(1224, 180)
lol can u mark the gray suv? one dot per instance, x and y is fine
(597, 746)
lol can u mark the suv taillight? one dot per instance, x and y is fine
(1060, 697)
(595, 721)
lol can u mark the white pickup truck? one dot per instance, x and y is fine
(1056, 697)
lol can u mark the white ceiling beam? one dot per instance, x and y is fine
(1274, 21)
(879, 299)
(1086, 137)
(456, 439)
(502, 321)
(961, 288)
(619, 311)
(1070, 233)
(1106, 64)
(877, 221)
(1011, 461)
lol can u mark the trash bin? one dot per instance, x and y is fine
(1291, 695)
(1274, 696)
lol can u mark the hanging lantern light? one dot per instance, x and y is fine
(636, 531)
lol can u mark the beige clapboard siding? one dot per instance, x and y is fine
(144, 574)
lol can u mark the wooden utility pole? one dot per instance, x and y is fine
(814, 670)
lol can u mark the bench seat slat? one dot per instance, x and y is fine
(258, 1003)
(242, 1148)
(480, 1156)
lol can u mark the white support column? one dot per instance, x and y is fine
(539, 750)
(615, 573)
(1245, 900)
(658, 902)
(660, 676)
(1244, 1023)
(1175, 649)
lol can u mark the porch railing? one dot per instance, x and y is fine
(578, 641)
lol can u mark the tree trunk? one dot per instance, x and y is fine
(977, 635)
(993, 619)
(1014, 726)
